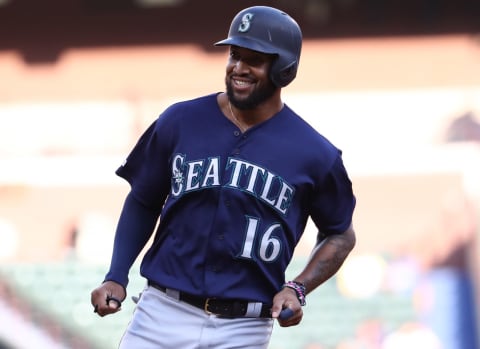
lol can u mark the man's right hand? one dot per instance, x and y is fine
(107, 298)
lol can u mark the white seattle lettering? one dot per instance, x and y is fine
(253, 177)
(237, 167)
(245, 176)
(177, 175)
(266, 188)
(212, 177)
(193, 180)
(284, 199)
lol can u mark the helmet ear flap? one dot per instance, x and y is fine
(282, 76)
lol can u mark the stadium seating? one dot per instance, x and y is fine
(62, 291)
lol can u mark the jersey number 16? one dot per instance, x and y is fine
(270, 246)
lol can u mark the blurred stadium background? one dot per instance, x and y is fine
(395, 84)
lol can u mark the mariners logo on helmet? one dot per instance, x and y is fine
(245, 25)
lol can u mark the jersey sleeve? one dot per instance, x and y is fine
(334, 202)
(134, 228)
(146, 167)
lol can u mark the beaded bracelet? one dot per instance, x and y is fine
(299, 289)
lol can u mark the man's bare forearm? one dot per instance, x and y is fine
(326, 259)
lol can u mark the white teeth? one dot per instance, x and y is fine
(241, 83)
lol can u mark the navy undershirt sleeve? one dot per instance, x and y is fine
(135, 227)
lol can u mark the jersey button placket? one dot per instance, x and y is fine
(242, 137)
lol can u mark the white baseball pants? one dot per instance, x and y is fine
(162, 322)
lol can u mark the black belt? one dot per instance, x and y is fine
(223, 307)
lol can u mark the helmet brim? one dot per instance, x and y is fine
(249, 43)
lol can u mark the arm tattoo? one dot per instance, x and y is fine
(326, 260)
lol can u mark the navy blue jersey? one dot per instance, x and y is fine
(234, 205)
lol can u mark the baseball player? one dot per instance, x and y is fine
(232, 178)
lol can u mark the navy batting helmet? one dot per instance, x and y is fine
(269, 30)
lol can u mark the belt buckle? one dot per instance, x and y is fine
(205, 307)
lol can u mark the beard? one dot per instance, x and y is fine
(257, 97)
